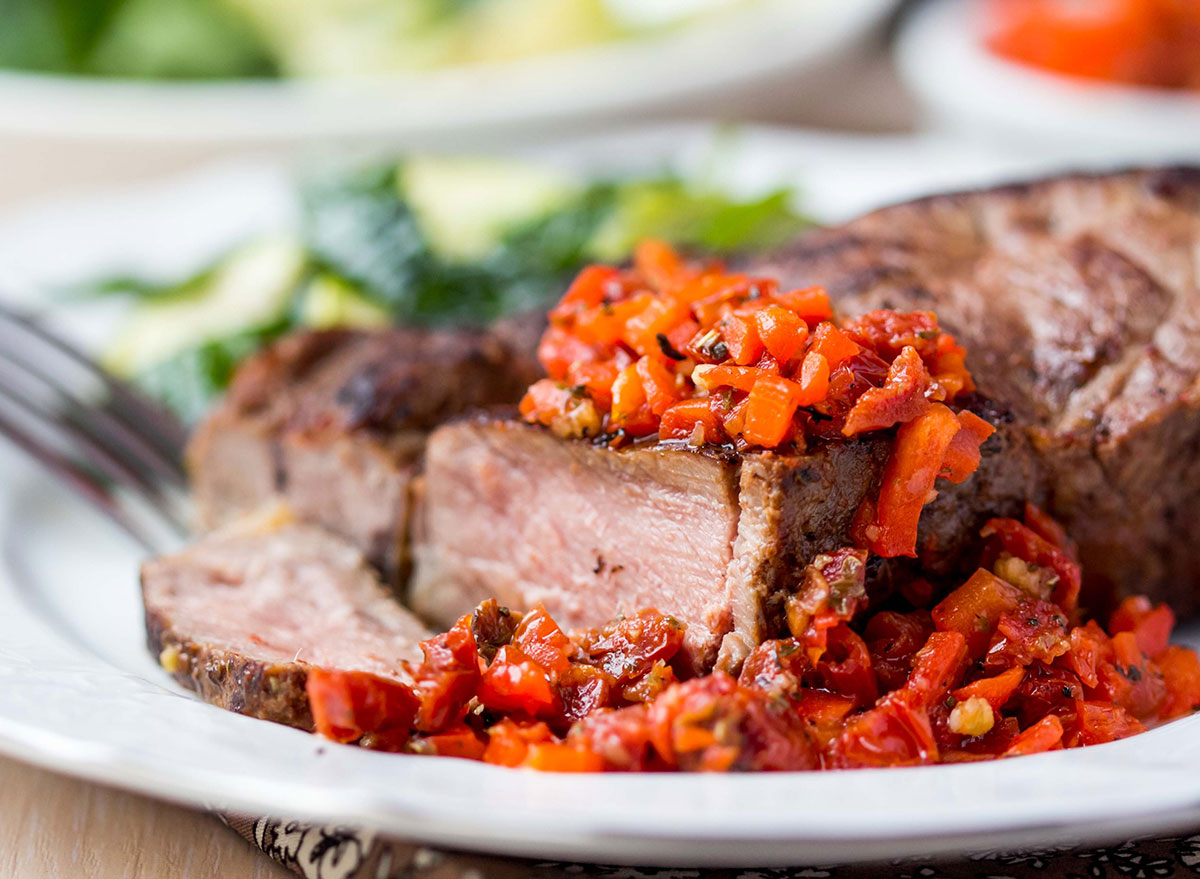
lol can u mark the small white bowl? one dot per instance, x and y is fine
(967, 89)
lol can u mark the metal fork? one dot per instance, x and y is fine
(118, 450)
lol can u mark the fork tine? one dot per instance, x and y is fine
(154, 531)
(157, 426)
(153, 468)
(77, 445)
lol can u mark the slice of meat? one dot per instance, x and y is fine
(335, 422)
(240, 615)
(715, 538)
(1078, 299)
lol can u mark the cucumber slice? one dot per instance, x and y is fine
(249, 289)
(464, 206)
(331, 302)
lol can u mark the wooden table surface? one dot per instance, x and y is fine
(54, 827)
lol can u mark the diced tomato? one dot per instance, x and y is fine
(1045, 735)
(1132, 681)
(974, 608)
(908, 479)
(446, 681)
(1024, 543)
(893, 640)
(1089, 646)
(1034, 631)
(1093, 723)
(516, 683)
(1180, 669)
(832, 344)
(962, 455)
(810, 303)
(629, 647)
(783, 332)
(901, 399)
(349, 706)
(845, 666)
(583, 689)
(1044, 690)
(896, 732)
(540, 638)
(1150, 624)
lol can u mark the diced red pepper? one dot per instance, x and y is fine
(658, 263)
(810, 303)
(1180, 668)
(680, 420)
(516, 683)
(589, 289)
(509, 741)
(962, 455)
(662, 391)
(769, 410)
(996, 691)
(557, 757)
(939, 665)
(782, 332)
(458, 741)
(908, 479)
(1045, 735)
(832, 344)
(974, 608)
(741, 338)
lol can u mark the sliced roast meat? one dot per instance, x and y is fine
(715, 538)
(240, 615)
(334, 422)
(1078, 299)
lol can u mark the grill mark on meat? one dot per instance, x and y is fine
(1077, 298)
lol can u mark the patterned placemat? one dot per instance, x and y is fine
(322, 852)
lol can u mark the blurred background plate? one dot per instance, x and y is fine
(968, 91)
(741, 45)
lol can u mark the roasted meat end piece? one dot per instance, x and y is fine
(334, 422)
(241, 614)
(717, 539)
(1078, 300)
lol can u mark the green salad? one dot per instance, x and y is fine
(427, 240)
(196, 39)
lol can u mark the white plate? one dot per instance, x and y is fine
(763, 39)
(969, 90)
(79, 694)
